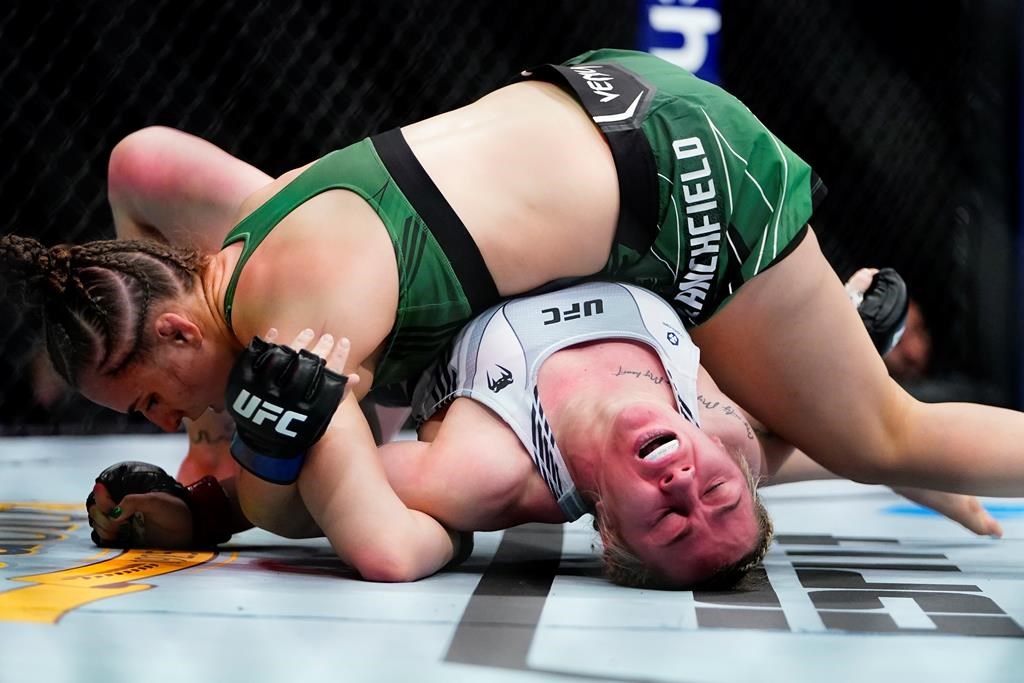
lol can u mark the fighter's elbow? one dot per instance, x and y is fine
(134, 164)
(388, 566)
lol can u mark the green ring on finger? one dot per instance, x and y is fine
(115, 513)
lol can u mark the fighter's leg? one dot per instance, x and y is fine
(793, 352)
(166, 184)
(962, 509)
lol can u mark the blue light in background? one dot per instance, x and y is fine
(684, 32)
(997, 510)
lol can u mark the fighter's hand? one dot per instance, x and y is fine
(282, 399)
(137, 505)
(880, 297)
(334, 353)
(859, 283)
(966, 511)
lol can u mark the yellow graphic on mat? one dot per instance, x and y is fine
(56, 593)
(59, 507)
(27, 527)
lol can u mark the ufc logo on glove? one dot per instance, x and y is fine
(282, 402)
(246, 405)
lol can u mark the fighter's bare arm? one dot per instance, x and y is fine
(165, 184)
(303, 276)
(782, 463)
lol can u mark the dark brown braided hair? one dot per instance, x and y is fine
(96, 297)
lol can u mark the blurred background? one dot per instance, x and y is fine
(910, 112)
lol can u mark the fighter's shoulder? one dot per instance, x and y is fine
(328, 260)
(265, 194)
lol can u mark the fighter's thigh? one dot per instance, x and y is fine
(792, 350)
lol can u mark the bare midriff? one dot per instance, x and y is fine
(531, 177)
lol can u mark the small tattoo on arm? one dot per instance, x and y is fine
(707, 403)
(728, 410)
(641, 374)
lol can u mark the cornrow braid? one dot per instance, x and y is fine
(96, 297)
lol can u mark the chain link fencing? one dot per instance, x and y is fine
(876, 109)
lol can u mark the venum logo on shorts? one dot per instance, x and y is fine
(504, 379)
(703, 229)
(615, 98)
(599, 81)
(257, 411)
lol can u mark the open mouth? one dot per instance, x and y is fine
(658, 447)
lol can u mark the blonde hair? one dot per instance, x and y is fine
(625, 568)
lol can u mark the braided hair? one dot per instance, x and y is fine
(96, 297)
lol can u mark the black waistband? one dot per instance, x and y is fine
(442, 221)
(618, 105)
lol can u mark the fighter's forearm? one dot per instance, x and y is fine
(209, 439)
(774, 450)
(276, 508)
(344, 486)
(798, 467)
(213, 428)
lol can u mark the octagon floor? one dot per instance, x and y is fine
(860, 586)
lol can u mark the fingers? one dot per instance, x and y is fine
(962, 509)
(324, 346)
(982, 522)
(858, 284)
(976, 518)
(995, 529)
(335, 353)
(861, 280)
(302, 339)
(103, 499)
(106, 517)
(338, 357)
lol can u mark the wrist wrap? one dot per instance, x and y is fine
(884, 309)
(211, 512)
(282, 402)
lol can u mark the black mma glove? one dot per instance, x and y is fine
(463, 549)
(126, 478)
(884, 309)
(207, 502)
(282, 401)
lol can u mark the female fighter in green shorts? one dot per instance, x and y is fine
(617, 165)
(525, 420)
